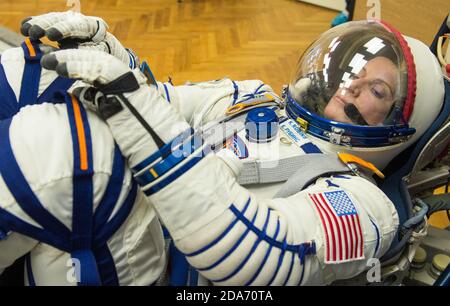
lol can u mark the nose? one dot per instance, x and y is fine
(355, 87)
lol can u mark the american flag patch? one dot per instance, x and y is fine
(344, 240)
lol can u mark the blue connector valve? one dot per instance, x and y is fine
(261, 125)
(340, 19)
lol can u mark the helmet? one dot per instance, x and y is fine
(365, 89)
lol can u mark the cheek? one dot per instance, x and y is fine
(334, 111)
(371, 109)
(367, 104)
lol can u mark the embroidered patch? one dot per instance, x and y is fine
(344, 239)
(237, 145)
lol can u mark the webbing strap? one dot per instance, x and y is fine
(51, 92)
(95, 258)
(306, 169)
(20, 189)
(29, 89)
(9, 105)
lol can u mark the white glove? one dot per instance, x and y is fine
(74, 30)
(140, 119)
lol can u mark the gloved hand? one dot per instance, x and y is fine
(74, 30)
(140, 119)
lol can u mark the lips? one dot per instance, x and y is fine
(341, 100)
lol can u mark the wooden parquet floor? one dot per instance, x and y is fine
(200, 40)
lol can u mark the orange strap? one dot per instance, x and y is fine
(347, 158)
(81, 134)
(30, 47)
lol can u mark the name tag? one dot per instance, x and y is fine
(291, 129)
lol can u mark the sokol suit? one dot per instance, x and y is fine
(231, 234)
(207, 207)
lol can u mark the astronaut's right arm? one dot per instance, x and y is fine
(204, 102)
(230, 235)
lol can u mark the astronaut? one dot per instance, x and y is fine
(58, 157)
(310, 213)
(68, 201)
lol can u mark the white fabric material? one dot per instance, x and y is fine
(161, 116)
(210, 187)
(13, 63)
(46, 159)
(203, 102)
(195, 208)
(41, 141)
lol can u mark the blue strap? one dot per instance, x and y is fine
(165, 165)
(378, 237)
(280, 261)
(252, 251)
(167, 92)
(164, 151)
(145, 69)
(94, 262)
(236, 93)
(30, 85)
(3, 233)
(310, 148)
(177, 173)
(259, 87)
(82, 214)
(193, 277)
(106, 266)
(232, 249)
(331, 184)
(302, 249)
(30, 275)
(261, 266)
(89, 274)
(82, 223)
(112, 192)
(179, 267)
(301, 276)
(221, 236)
(19, 188)
(15, 224)
(105, 261)
(9, 106)
(117, 220)
(29, 89)
(132, 63)
(290, 270)
(51, 92)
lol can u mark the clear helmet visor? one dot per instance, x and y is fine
(355, 73)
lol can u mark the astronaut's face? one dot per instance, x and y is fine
(372, 92)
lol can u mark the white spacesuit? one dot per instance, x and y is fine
(59, 163)
(44, 147)
(323, 229)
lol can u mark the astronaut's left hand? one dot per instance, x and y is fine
(140, 119)
(75, 30)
